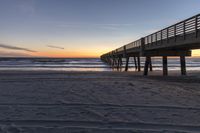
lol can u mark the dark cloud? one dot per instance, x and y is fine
(51, 46)
(15, 48)
(13, 54)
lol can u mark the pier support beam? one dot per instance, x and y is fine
(114, 63)
(150, 65)
(135, 61)
(127, 63)
(121, 63)
(146, 67)
(165, 66)
(183, 65)
(139, 66)
(118, 63)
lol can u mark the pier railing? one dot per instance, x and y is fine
(181, 29)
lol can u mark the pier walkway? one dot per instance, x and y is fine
(176, 40)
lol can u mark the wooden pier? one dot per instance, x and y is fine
(176, 40)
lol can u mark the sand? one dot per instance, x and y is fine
(98, 102)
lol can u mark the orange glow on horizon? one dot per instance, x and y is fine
(196, 53)
(91, 53)
(84, 54)
(67, 54)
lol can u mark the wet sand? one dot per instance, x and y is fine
(98, 102)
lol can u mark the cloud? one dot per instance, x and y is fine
(115, 25)
(51, 46)
(107, 26)
(15, 48)
(13, 54)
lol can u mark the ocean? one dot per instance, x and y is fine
(85, 64)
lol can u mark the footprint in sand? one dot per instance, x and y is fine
(146, 88)
(10, 129)
(131, 84)
(116, 82)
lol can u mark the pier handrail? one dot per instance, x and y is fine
(189, 25)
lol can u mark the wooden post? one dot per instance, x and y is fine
(196, 26)
(165, 66)
(183, 65)
(184, 33)
(109, 60)
(127, 62)
(150, 65)
(175, 33)
(115, 62)
(146, 65)
(139, 66)
(161, 36)
(120, 63)
(135, 63)
(167, 35)
(156, 36)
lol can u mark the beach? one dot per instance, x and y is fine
(94, 102)
(99, 66)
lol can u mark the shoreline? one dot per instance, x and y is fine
(134, 73)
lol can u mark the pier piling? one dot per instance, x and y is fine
(146, 67)
(183, 65)
(150, 65)
(127, 63)
(135, 61)
(165, 66)
(139, 66)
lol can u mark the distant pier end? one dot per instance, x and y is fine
(176, 40)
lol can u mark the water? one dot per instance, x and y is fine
(55, 64)
(84, 64)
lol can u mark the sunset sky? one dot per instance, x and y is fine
(83, 28)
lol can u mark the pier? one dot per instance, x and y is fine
(176, 40)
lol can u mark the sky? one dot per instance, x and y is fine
(83, 28)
